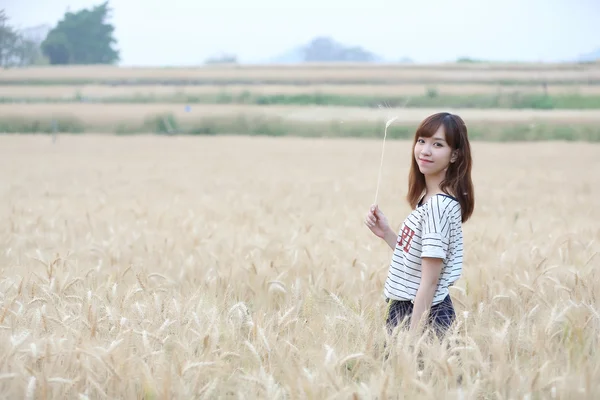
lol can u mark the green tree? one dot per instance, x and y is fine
(17, 48)
(83, 37)
(9, 40)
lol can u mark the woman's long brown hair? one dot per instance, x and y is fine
(457, 182)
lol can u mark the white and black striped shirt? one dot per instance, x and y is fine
(433, 229)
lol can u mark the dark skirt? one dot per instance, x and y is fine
(441, 316)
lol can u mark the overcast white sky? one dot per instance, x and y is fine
(186, 32)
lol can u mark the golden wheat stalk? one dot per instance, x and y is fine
(387, 125)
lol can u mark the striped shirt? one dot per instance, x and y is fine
(433, 229)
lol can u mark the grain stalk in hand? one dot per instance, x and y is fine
(387, 125)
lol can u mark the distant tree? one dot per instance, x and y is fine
(323, 49)
(9, 41)
(467, 60)
(18, 48)
(31, 50)
(83, 37)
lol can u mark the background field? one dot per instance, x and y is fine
(240, 267)
(501, 102)
(588, 73)
(160, 90)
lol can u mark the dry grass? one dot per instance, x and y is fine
(239, 268)
(333, 73)
(110, 114)
(99, 91)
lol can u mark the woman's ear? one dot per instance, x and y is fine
(454, 156)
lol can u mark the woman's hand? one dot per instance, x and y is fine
(377, 222)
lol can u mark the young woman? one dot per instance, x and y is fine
(428, 250)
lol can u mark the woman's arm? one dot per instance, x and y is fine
(391, 238)
(431, 269)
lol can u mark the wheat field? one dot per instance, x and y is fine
(333, 73)
(110, 114)
(239, 267)
(107, 91)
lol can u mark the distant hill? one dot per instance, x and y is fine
(592, 56)
(325, 49)
(293, 56)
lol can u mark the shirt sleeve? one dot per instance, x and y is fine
(436, 229)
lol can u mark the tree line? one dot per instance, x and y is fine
(87, 37)
(82, 37)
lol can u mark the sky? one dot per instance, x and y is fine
(186, 32)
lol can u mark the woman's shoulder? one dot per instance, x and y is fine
(443, 203)
(441, 198)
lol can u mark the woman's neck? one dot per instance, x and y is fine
(432, 183)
